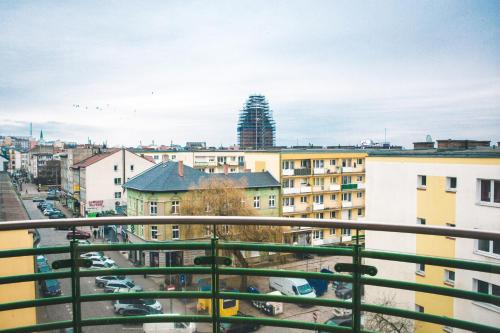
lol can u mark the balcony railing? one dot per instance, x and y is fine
(215, 266)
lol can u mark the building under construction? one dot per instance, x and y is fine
(256, 127)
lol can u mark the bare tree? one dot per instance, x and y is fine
(388, 324)
(225, 197)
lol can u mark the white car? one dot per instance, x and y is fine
(174, 327)
(100, 258)
(101, 264)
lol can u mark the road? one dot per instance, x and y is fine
(51, 237)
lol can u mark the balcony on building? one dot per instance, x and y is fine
(288, 209)
(347, 204)
(318, 188)
(287, 172)
(302, 172)
(319, 171)
(290, 190)
(361, 186)
(349, 186)
(318, 206)
(334, 187)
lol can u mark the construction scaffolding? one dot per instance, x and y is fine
(256, 127)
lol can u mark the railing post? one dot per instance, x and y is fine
(215, 283)
(356, 286)
(75, 287)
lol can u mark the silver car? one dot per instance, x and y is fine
(111, 286)
(101, 281)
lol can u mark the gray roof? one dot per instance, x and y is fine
(164, 177)
(451, 153)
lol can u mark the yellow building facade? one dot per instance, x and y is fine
(322, 184)
(16, 292)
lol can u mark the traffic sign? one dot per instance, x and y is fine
(182, 279)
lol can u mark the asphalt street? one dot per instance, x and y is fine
(51, 237)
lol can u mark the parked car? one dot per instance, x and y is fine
(341, 285)
(122, 304)
(44, 205)
(83, 242)
(89, 255)
(80, 234)
(174, 327)
(57, 215)
(345, 321)
(113, 285)
(98, 264)
(101, 281)
(54, 212)
(50, 210)
(239, 327)
(102, 260)
(38, 199)
(50, 288)
(344, 293)
(139, 310)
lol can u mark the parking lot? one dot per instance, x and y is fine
(50, 237)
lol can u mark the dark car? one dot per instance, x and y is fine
(341, 285)
(38, 199)
(139, 310)
(50, 288)
(78, 234)
(345, 321)
(57, 215)
(344, 293)
(239, 327)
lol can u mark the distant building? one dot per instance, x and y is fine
(256, 127)
(196, 145)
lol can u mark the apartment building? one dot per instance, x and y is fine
(162, 190)
(98, 179)
(454, 188)
(323, 184)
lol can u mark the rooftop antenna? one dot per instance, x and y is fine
(385, 135)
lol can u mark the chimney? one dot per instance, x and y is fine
(180, 164)
(226, 169)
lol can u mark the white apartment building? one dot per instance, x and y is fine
(455, 189)
(100, 177)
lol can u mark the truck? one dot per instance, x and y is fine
(267, 307)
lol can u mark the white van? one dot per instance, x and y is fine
(169, 327)
(291, 286)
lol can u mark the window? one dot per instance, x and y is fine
(233, 158)
(333, 162)
(420, 221)
(487, 188)
(272, 201)
(449, 276)
(317, 234)
(118, 195)
(288, 165)
(176, 234)
(360, 212)
(173, 157)
(156, 157)
(346, 163)
(287, 183)
(318, 198)
(346, 232)
(451, 184)
(359, 194)
(232, 170)
(318, 163)
(420, 269)
(256, 201)
(154, 232)
(115, 167)
(349, 214)
(333, 197)
(303, 181)
(175, 207)
(118, 181)
(360, 161)
(225, 229)
(419, 308)
(303, 199)
(221, 159)
(333, 215)
(486, 288)
(489, 246)
(422, 181)
(211, 170)
(359, 178)
(346, 196)
(153, 208)
(333, 180)
(288, 201)
(346, 180)
(318, 215)
(319, 181)
(131, 167)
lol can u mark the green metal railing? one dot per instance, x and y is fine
(357, 275)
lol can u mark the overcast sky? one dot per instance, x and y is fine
(333, 72)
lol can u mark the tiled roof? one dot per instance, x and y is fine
(164, 177)
(94, 158)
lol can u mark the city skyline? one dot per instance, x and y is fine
(333, 72)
